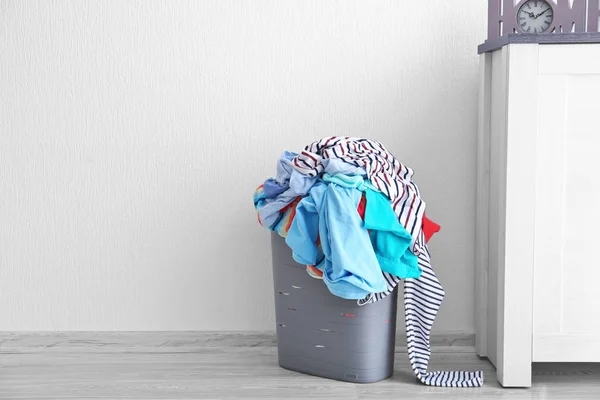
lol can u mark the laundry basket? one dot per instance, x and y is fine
(324, 335)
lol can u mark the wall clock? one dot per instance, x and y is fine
(508, 16)
(535, 16)
(541, 21)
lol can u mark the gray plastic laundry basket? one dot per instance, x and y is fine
(324, 335)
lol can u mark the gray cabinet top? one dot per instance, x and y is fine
(545, 38)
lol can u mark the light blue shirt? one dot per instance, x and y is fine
(350, 268)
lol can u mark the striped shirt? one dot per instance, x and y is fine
(422, 296)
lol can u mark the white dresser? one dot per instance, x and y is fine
(538, 206)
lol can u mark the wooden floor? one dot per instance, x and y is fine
(234, 366)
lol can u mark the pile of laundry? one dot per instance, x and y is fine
(345, 193)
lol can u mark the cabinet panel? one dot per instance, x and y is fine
(550, 196)
(566, 277)
(580, 268)
(566, 348)
(517, 230)
(570, 59)
(497, 192)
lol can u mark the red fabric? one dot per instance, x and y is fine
(429, 228)
(362, 206)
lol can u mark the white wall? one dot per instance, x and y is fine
(133, 134)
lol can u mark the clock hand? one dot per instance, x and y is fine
(542, 13)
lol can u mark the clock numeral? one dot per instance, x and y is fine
(535, 3)
(529, 6)
(523, 24)
(528, 29)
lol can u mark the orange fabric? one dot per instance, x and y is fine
(314, 272)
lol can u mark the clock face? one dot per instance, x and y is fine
(535, 16)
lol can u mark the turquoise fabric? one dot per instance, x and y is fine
(350, 267)
(349, 181)
(390, 240)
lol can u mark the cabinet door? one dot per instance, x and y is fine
(566, 318)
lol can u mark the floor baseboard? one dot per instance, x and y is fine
(179, 341)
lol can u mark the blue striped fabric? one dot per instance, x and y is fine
(422, 300)
(422, 296)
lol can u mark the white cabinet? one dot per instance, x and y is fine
(538, 216)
